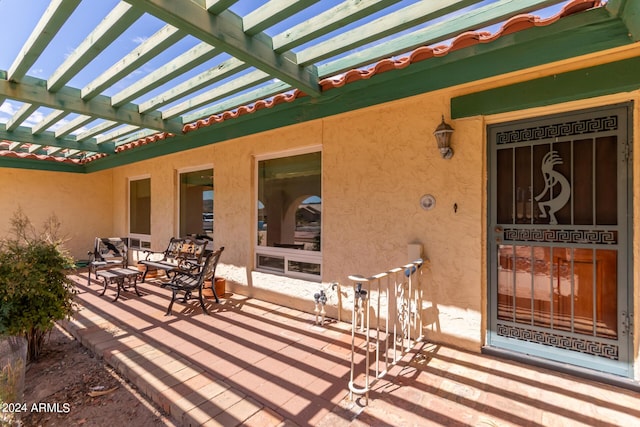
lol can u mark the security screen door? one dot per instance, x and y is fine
(559, 285)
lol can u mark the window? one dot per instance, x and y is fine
(196, 203)
(290, 215)
(140, 207)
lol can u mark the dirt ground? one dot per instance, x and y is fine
(61, 384)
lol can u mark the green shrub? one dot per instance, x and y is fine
(35, 291)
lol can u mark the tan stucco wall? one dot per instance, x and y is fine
(82, 203)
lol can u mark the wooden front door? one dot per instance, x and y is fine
(559, 285)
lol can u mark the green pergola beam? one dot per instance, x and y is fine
(225, 32)
(631, 17)
(388, 25)
(234, 86)
(118, 20)
(47, 138)
(244, 99)
(338, 16)
(482, 16)
(20, 116)
(124, 139)
(195, 56)
(50, 23)
(153, 46)
(34, 148)
(217, 6)
(96, 130)
(34, 91)
(118, 133)
(73, 125)
(202, 80)
(271, 13)
(47, 122)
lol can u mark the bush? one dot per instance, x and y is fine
(34, 289)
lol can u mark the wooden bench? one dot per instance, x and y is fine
(118, 276)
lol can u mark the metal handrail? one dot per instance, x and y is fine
(398, 277)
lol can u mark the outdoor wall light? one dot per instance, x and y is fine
(443, 137)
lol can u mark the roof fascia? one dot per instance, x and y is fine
(225, 32)
(43, 165)
(584, 83)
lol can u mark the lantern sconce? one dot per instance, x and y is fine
(443, 138)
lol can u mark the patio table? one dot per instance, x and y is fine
(118, 276)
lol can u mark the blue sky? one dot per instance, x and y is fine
(25, 15)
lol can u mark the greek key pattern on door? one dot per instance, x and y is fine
(561, 236)
(578, 127)
(561, 341)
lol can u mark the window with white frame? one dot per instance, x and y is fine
(196, 203)
(289, 215)
(140, 212)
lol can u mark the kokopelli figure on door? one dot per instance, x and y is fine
(551, 179)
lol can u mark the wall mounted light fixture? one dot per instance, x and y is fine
(443, 137)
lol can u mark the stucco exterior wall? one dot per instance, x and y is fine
(378, 164)
(82, 203)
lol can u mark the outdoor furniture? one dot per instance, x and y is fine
(184, 281)
(108, 252)
(118, 276)
(181, 254)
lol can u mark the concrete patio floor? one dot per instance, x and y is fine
(254, 363)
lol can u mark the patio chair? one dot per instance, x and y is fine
(181, 254)
(184, 281)
(108, 252)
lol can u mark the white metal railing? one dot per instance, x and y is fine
(403, 291)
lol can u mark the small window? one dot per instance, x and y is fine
(140, 206)
(196, 204)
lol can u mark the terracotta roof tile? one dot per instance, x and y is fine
(245, 109)
(15, 154)
(144, 141)
(93, 157)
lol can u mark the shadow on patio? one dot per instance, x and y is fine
(255, 363)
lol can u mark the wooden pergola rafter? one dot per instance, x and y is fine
(235, 58)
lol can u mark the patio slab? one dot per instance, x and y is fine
(251, 362)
